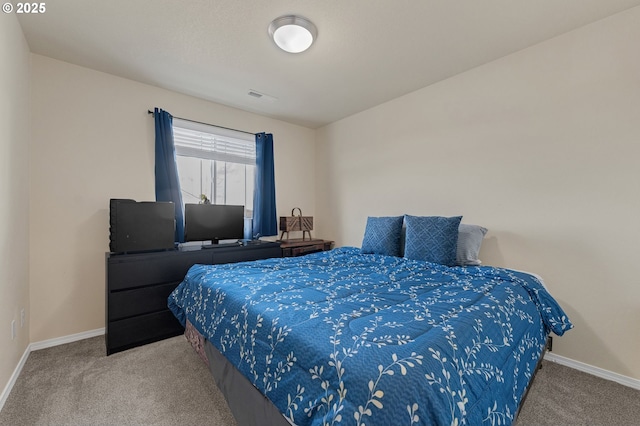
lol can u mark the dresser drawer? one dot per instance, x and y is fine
(128, 303)
(132, 272)
(127, 333)
(256, 253)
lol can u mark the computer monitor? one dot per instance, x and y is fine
(213, 222)
(141, 226)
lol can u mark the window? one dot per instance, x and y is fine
(215, 163)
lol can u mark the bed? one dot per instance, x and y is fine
(347, 338)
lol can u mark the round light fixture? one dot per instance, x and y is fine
(293, 34)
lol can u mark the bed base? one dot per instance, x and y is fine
(547, 347)
(248, 405)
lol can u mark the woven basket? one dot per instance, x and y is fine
(296, 223)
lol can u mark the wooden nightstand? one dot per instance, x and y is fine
(300, 247)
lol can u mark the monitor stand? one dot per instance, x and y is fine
(216, 243)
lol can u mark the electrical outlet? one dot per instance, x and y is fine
(13, 329)
(21, 317)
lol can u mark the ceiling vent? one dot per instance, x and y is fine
(261, 96)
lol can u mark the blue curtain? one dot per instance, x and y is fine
(167, 182)
(264, 197)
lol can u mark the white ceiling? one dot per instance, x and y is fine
(367, 51)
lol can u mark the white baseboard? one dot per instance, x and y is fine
(12, 380)
(549, 356)
(66, 339)
(595, 371)
(42, 345)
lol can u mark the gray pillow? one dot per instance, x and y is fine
(469, 241)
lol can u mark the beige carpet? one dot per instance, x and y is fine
(563, 396)
(165, 383)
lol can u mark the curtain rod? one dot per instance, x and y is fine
(208, 124)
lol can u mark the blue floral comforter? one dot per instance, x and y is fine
(344, 338)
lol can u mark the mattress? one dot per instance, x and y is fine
(342, 337)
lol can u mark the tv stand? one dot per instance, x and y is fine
(138, 284)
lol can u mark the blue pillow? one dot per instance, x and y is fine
(432, 238)
(382, 235)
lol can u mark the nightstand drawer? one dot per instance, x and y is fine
(299, 251)
(300, 247)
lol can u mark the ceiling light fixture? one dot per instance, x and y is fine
(293, 34)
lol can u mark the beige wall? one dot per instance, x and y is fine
(543, 148)
(14, 193)
(93, 140)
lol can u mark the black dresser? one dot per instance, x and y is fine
(137, 287)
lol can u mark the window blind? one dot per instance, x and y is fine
(213, 143)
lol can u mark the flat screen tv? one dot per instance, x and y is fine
(213, 222)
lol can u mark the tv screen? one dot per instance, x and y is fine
(213, 222)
